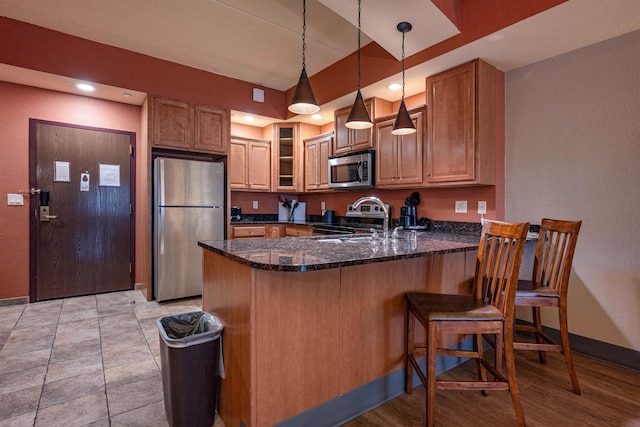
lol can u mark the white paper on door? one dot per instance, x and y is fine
(61, 172)
(109, 175)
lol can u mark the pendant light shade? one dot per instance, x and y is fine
(304, 101)
(403, 124)
(359, 117)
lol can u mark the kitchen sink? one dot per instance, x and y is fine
(359, 239)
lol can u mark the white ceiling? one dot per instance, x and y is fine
(260, 41)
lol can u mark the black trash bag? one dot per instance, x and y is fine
(184, 325)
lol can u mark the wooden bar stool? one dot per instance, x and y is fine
(548, 288)
(490, 310)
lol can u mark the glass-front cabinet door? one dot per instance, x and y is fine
(287, 157)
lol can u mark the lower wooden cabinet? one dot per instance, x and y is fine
(275, 230)
(261, 230)
(299, 230)
(240, 231)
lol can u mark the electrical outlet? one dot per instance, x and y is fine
(255, 204)
(322, 206)
(461, 206)
(482, 207)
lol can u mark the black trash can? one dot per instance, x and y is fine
(191, 360)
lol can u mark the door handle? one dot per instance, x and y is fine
(44, 214)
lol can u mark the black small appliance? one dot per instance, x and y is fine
(236, 213)
(329, 216)
(409, 213)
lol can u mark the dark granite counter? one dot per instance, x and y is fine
(323, 252)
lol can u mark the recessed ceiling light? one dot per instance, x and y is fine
(394, 86)
(85, 87)
(316, 116)
(249, 118)
(127, 95)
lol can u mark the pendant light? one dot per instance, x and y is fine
(303, 101)
(404, 124)
(359, 117)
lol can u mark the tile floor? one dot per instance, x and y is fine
(86, 361)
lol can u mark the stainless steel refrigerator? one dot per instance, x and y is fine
(188, 206)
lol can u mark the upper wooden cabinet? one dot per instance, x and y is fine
(287, 152)
(347, 140)
(316, 162)
(249, 164)
(461, 123)
(179, 125)
(287, 157)
(399, 158)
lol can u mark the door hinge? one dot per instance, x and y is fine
(130, 209)
(130, 268)
(131, 150)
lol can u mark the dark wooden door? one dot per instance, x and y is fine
(86, 246)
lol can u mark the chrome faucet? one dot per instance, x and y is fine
(385, 225)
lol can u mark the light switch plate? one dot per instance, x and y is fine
(322, 205)
(15, 200)
(255, 204)
(461, 206)
(482, 207)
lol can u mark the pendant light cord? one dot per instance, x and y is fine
(403, 65)
(304, 30)
(359, 80)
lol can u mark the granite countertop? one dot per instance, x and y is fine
(323, 252)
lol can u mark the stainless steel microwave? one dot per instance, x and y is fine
(353, 170)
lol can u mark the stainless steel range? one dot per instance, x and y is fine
(367, 210)
(360, 219)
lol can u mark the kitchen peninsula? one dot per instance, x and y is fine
(314, 326)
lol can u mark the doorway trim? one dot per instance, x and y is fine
(33, 145)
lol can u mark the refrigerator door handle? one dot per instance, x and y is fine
(161, 187)
(161, 230)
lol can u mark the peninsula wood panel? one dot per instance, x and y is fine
(297, 325)
(372, 311)
(227, 294)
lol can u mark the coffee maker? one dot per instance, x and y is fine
(409, 213)
(408, 216)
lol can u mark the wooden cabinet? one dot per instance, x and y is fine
(287, 157)
(299, 230)
(275, 231)
(347, 140)
(399, 158)
(241, 231)
(249, 164)
(461, 123)
(287, 153)
(179, 125)
(261, 230)
(316, 157)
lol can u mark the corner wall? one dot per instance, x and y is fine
(573, 152)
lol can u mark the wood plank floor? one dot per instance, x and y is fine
(610, 397)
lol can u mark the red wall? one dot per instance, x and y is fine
(435, 204)
(18, 105)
